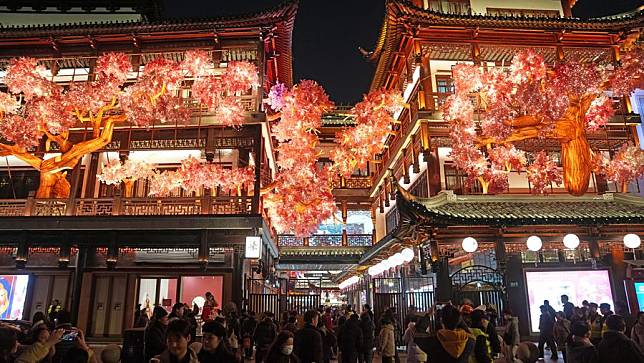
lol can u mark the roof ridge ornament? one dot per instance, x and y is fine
(449, 195)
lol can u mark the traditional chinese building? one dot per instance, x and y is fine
(106, 249)
(422, 201)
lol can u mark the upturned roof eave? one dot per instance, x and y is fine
(398, 12)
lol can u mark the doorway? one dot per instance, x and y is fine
(108, 305)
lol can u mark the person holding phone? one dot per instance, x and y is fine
(40, 349)
(80, 352)
(40, 334)
(70, 346)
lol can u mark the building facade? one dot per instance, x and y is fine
(106, 249)
(422, 201)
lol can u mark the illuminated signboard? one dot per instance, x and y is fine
(253, 247)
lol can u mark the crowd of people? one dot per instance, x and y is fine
(50, 338)
(449, 333)
(591, 333)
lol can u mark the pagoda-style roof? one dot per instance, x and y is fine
(448, 209)
(402, 17)
(105, 35)
(447, 215)
(148, 8)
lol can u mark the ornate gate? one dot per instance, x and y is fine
(286, 295)
(480, 284)
(262, 297)
(304, 294)
(402, 293)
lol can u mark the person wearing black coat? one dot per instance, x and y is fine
(328, 341)
(615, 346)
(546, 331)
(308, 346)
(191, 317)
(154, 334)
(282, 349)
(579, 349)
(350, 340)
(264, 335)
(214, 350)
(247, 330)
(368, 337)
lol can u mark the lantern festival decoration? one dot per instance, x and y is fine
(534, 243)
(469, 244)
(495, 108)
(35, 107)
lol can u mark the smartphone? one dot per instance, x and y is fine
(70, 335)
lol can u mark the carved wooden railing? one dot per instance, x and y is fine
(117, 205)
(353, 182)
(325, 240)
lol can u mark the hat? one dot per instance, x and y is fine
(481, 307)
(214, 328)
(466, 309)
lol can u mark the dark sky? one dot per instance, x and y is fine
(328, 33)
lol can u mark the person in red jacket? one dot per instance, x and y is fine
(208, 312)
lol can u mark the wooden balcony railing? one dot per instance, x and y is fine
(116, 206)
(354, 182)
(325, 240)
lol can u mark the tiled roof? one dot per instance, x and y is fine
(281, 12)
(401, 15)
(504, 210)
(280, 18)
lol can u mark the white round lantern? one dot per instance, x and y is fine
(470, 245)
(392, 261)
(534, 243)
(408, 254)
(571, 241)
(386, 265)
(398, 259)
(372, 271)
(632, 240)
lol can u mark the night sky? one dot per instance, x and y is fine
(328, 33)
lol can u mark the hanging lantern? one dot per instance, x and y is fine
(470, 245)
(571, 241)
(373, 270)
(632, 240)
(398, 259)
(407, 254)
(392, 262)
(386, 265)
(534, 243)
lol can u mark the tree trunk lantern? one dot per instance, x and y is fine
(37, 107)
(529, 101)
